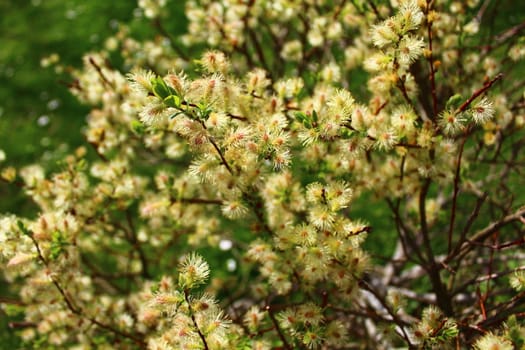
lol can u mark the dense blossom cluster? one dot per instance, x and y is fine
(268, 152)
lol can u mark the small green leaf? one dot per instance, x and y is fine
(314, 117)
(13, 310)
(137, 127)
(160, 88)
(23, 228)
(81, 165)
(172, 101)
(155, 287)
(203, 111)
(58, 244)
(454, 102)
(346, 133)
(304, 119)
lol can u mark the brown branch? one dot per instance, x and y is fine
(100, 155)
(212, 141)
(402, 87)
(398, 321)
(509, 33)
(338, 9)
(502, 311)
(371, 138)
(136, 244)
(223, 160)
(468, 225)
(433, 269)
(277, 328)
(423, 220)
(457, 179)
(158, 25)
(101, 74)
(483, 234)
(482, 10)
(258, 49)
(374, 8)
(430, 59)
(9, 301)
(192, 315)
(198, 201)
(405, 241)
(478, 92)
(22, 324)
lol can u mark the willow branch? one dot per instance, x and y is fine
(478, 92)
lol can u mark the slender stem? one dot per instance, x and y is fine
(405, 234)
(223, 160)
(374, 8)
(371, 138)
(439, 289)
(478, 92)
(9, 301)
(483, 234)
(430, 60)
(339, 9)
(136, 244)
(199, 201)
(103, 77)
(457, 179)
(423, 220)
(192, 315)
(158, 24)
(22, 324)
(100, 155)
(402, 87)
(482, 9)
(258, 50)
(467, 227)
(500, 39)
(277, 328)
(399, 322)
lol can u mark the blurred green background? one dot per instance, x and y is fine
(39, 118)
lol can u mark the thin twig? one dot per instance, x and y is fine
(457, 179)
(277, 328)
(430, 60)
(192, 315)
(101, 74)
(478, 92)
(483, 234)
(136, 244)
(158, 24)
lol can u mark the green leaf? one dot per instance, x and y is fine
(314, 117)
(81, 165)
(13, 310)
(160, 88)
(203, 111)
(155, 287)
(454, 102)
(58, 244)
(22, 228)
(137, 127)
(346, 133)
(304, 119)
(173, 101)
